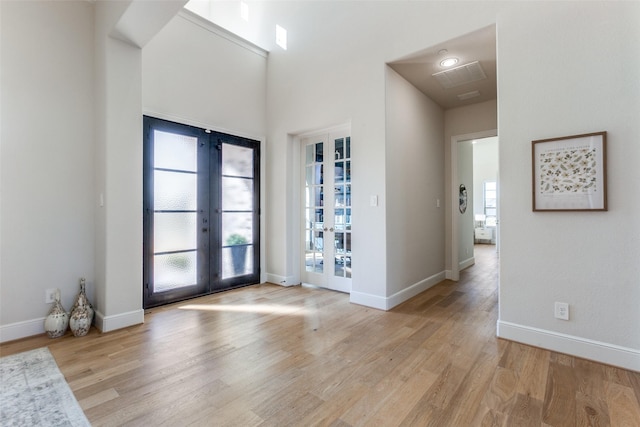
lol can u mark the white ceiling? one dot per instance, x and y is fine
(480, 45)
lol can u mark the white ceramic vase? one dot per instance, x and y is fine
(81, 314)
(57, 321)
(80, 322)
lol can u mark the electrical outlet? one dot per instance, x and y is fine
(50, 295)
(562, 311)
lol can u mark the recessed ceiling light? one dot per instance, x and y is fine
(448, 62)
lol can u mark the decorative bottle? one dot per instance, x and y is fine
(56, 322)
(81, 314)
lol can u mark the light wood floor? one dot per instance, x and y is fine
(273, 356)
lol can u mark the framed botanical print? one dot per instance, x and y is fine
(570, 173)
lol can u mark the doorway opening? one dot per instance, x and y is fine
(485, 191)
(475, 169)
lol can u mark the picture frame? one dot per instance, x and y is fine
(570, 173)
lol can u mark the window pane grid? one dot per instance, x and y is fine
(186, 251)
(342, 216)
(314, 202)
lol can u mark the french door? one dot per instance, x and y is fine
(201, 212)
(326, 186)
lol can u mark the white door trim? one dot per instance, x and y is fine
(296, 241)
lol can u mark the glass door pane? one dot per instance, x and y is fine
(175, 181)
(237, 210)
(314, 207)
(342, 212)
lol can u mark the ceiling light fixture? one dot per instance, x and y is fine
(448, 62)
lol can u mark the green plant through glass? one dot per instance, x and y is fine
(178, 261)
(236, 239)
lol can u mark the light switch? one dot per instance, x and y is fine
(374, 201)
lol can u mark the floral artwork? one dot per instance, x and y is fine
(569, 173)
(570, 170)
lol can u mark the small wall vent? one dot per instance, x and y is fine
(458, 76)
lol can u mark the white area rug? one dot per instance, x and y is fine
(33, 392)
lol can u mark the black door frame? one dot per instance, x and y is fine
(209, 213)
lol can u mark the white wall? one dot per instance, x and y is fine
(465, 219)
(192, 74)
(414, 188)
(566, 69)
(47, 179)
(118, 141)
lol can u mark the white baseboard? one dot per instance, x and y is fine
(282, 280)
(28, 328)
(368, 300)
(119, 321)
(387, 303)
(609, 354)
(448, 274)
(466, 263)
(413, 290)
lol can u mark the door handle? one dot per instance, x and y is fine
(205, 229)
(328, 229)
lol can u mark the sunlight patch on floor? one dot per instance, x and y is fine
(250, 308)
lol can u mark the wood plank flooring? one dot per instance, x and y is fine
(272, 356)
